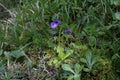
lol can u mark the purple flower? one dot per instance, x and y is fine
(55, 23)
(68, 31)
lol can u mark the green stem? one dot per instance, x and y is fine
(59, 34)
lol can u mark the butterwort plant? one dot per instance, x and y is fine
(55, 24)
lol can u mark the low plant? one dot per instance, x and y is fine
(74, 72)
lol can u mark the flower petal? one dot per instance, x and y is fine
(57, 22)
(68, 31)
(53, 25)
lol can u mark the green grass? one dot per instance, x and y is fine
(31, 49)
